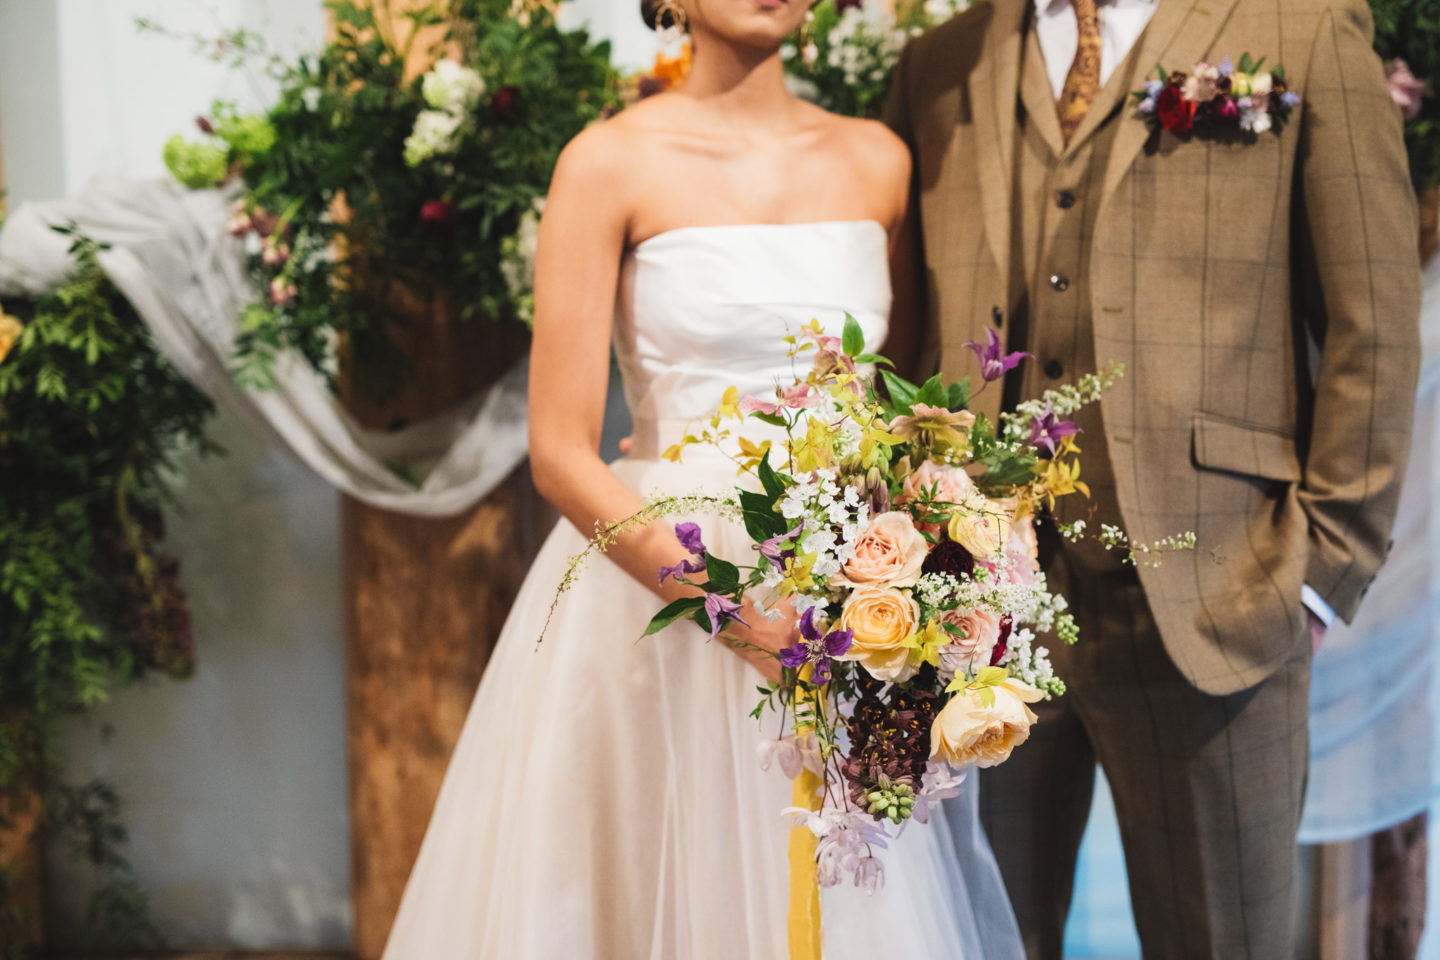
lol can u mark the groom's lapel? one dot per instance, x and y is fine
(1179, 34)
(994, 87)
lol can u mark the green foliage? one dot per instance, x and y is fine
(1409, 30)
(90, 418)
(194, 164)
(348, 221)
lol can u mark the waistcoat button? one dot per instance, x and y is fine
(1059, 282)
(1064, 199)
(1053, 369)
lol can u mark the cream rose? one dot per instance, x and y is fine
(982, 527)
(881, 618)
(982, 632)
(888, 553)
(967, 732)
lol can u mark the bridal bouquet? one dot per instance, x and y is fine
(898, 526)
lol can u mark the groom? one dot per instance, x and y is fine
(1262, 292)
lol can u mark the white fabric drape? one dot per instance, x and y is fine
(1375, 689)
(172, 257)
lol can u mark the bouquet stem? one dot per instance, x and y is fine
(804, 922)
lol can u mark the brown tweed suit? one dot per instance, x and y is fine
(1202, 266)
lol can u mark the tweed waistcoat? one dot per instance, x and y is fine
(1056, 186)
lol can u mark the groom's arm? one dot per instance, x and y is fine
(1356, 214)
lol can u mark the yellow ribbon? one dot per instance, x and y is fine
(804, 925)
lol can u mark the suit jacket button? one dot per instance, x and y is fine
(1053, 369)
(1059, 282)
(1064, 199)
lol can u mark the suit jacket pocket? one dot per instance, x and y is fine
(1221, 443)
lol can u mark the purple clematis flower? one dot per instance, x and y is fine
(770, 549)
(994, 362)
(1046, 431)
(816, 648)
(683, 568)
(689, 536)
(721, 610)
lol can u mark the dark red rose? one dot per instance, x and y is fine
(1174, 112)
(842, 5)
(1003, 644)
(438, 216)
(204, 124)
(947, 556)
(505, 103)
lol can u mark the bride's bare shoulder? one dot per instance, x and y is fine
(612, 149)
(870, 150)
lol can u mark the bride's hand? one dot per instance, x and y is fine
(762, 641)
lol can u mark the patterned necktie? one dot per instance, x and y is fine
(1082, 83)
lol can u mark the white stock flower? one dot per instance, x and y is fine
(436, 132)
(452, 87)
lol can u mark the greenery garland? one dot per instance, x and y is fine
(91, 417)
(360, 178)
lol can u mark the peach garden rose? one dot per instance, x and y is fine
(889, 553)
(882, 618)
(982, 632)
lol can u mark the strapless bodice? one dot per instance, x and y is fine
(705, 308)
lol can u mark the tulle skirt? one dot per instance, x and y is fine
(605, 801)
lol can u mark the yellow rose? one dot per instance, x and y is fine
(1239, 84)
(968, 732)
(10, 330)
(983, 526)
(881, 618)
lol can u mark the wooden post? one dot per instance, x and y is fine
(425, 599)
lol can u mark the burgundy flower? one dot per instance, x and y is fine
(1174, 112)
(1224, 112)
(1003, 643)
(842, 5)
(947, 556)
(438, 216)
(505, 103)
(204, 124)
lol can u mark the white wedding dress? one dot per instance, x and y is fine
(605, 800)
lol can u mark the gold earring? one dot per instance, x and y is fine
(679, 25)
(806, 40)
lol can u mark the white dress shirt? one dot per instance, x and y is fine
(1121, 24)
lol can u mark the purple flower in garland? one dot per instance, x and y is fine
(1046, 430)
(994, 362)
(689, 536)
(721, 610)
(816, 648)
(770, 549)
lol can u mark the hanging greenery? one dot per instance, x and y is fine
(91, 417)
(362, 173)
(1407, 37)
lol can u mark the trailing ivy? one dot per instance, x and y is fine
(91, 417)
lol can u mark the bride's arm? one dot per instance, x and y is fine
(582, 240)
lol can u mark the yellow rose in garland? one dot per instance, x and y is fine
(10, 330)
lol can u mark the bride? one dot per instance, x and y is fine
(605, 799)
